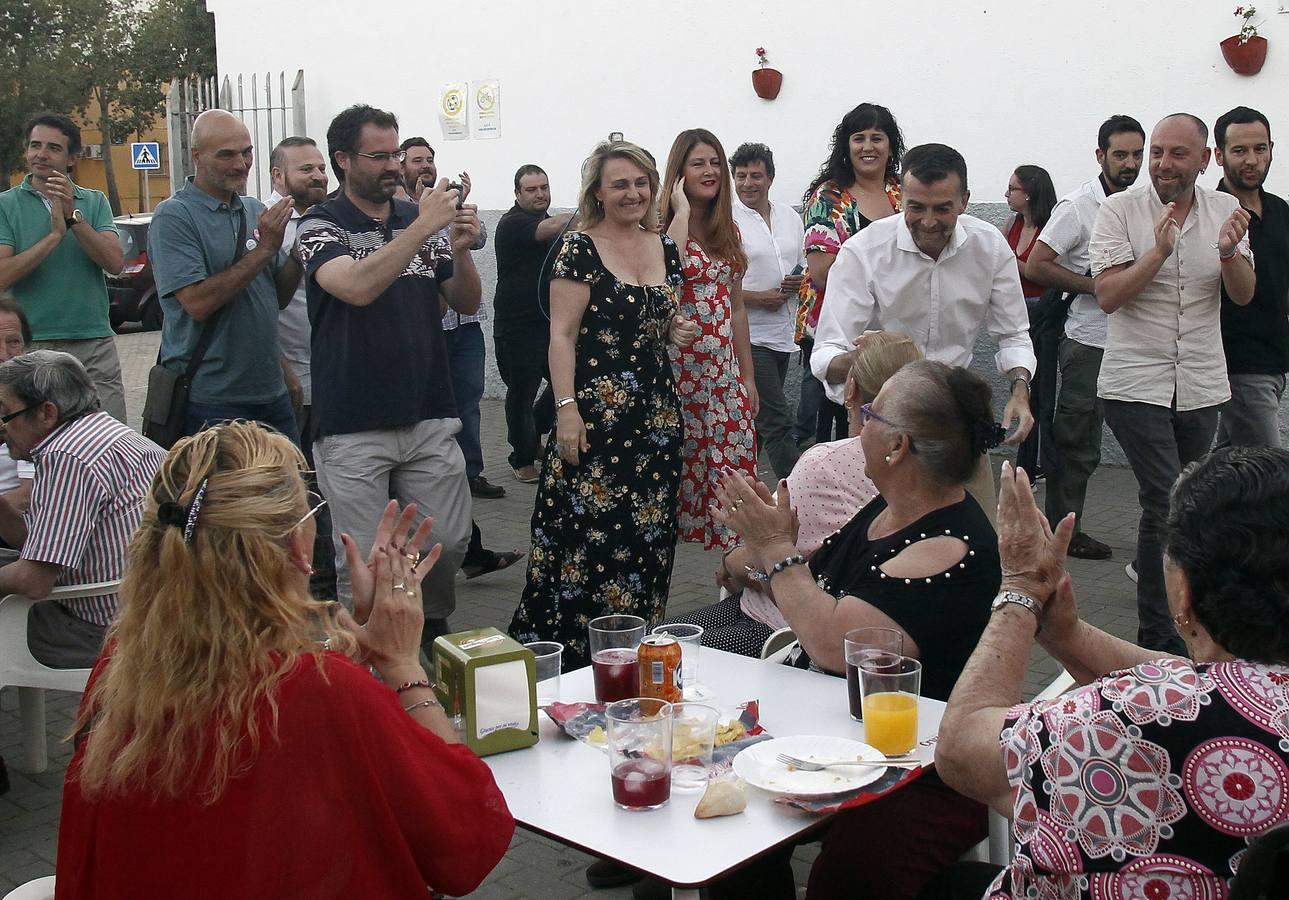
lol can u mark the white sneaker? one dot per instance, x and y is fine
(1131, 571)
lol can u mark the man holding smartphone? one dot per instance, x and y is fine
(773, 237)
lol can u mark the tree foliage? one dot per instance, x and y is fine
(120, 53)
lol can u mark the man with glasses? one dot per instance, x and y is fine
(385, 418)
(215, 254)
(91, 476)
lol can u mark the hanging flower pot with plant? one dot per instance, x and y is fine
(1247, 51)
(766, 81)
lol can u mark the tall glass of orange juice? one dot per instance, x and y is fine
(890, 699)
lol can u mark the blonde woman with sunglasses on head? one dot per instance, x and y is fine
(231, 741)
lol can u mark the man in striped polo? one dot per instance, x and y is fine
(87, 494)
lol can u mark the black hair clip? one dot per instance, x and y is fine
(985, 436)
(171, 513)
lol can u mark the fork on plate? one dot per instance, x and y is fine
(809, 765)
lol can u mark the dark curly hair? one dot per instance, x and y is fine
(1228, 531)
(837, 167)
(947, 413)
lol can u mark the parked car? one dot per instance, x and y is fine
(132, 295)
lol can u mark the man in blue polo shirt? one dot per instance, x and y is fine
(202, 270)
(384, 415)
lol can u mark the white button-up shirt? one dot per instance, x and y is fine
(1068, 233)
(1165, 344)
(773, 252)
(881, 280)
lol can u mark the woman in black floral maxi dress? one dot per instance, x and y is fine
(604, 531)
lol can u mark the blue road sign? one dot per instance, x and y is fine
(146, 155)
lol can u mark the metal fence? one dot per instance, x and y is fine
(269, 109)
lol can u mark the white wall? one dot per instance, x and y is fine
(1005, 81)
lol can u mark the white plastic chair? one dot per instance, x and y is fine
(778, 645)
(997, 848)
(18, 668)
(39, 889)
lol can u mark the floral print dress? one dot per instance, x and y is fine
(604, 531)
(1148, 783)
(719, 429)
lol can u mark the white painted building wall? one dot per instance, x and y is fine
(1005, 81)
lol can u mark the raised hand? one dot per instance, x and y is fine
(272, 223)
(1233, 231)
(1167, 230)
(438, 206)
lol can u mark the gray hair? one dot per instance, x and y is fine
(51, 376)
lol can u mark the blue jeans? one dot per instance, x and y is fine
(465, 360)
(277, 414)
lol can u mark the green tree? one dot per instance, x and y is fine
(63, 54)
(37, 72)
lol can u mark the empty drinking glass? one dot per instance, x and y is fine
(548, 656)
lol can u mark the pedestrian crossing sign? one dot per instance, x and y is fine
(146, 155)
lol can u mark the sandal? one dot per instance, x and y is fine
(499, 561)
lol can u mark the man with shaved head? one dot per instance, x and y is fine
(1162, 252)
(215, 256)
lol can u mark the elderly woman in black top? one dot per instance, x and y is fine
(921, 557)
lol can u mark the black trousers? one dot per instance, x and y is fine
(1046, 324)
(522, 364)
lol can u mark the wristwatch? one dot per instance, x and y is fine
(75, 218)
(1006, 597)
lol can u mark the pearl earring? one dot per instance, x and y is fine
(888, 457)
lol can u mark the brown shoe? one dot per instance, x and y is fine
(1083, 546)
(527, 474)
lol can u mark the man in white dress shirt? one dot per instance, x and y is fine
(1161, 252)
(934, 274)
(1060, 260)
(773, 237)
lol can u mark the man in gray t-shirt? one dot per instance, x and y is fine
(201, 270)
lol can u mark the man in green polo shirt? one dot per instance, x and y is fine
(56, 241)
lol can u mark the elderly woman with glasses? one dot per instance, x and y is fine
(232, 741)
(921, 558)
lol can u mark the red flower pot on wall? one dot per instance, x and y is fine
(766, 82)
(1246, 58)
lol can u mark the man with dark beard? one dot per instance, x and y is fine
(1060, 260)
(384, 415)
(1161, 254)
(1255, 337)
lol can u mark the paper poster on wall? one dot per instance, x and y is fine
(453, 111)
(485, 116)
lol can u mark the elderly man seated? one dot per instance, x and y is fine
(91, 474)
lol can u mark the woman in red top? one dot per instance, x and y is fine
(1031, 197)
(222, 751)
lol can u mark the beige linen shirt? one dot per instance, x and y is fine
(1165, 344)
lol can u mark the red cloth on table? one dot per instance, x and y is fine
(353, 799)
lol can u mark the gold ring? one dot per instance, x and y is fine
(737, 503)
(411, 592)
(413, 558)
(401, 586)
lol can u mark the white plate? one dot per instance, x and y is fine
(757, 765)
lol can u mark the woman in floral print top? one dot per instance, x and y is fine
(1152, 779)
(604, 526)
(859, 182)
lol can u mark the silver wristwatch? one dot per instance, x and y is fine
(1005, 597)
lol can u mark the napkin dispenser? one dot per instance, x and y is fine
(487, 683)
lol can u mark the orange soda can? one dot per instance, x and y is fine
(660, 668)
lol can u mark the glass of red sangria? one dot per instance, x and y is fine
(639, 732)
(614, 661)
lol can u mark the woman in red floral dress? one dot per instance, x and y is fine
(718, 404)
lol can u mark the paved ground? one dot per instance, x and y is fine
(535, 866)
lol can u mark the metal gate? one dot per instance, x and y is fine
(269, 115)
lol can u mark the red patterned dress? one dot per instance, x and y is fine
(719, 429)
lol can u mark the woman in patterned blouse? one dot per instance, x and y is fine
(1154, 777)
(859, 182)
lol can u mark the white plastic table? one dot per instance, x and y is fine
(560, 787)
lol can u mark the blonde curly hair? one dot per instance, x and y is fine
(208, 627)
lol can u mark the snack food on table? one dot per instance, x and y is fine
(728, 732)
(726, 795)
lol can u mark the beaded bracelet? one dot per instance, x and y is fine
(788, 563)
(432, 701)
(408, 685)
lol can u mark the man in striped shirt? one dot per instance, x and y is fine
(91, 476)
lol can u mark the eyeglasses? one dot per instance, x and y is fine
(316, 502)
(384, 156)
(5, 420)
(866, 413)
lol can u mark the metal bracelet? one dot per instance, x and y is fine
(432, 701)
